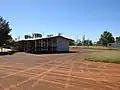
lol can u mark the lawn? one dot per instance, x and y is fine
(104, 56)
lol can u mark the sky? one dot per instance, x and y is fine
(72, 18)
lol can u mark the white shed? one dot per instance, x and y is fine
(114, 45)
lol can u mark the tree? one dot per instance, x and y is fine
(5, 30)
(78, 42)
(90, 42)
(9, 44)
(50, 35)
(83, 40)
(59, 34)
(86, 42)
(27, 36)
(106, 38)
(118, 39)
(98, 43)
(36, 35)
(72, 42)
(95, 43)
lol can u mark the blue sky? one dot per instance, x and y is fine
(71, 17)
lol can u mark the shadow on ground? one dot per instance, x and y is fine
(13, 52)
(53, 52)
(7, 53)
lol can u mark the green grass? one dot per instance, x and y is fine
(104, 56)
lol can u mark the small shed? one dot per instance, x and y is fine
(114, 45)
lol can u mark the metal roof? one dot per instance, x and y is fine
(32, 39)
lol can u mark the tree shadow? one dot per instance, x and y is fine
(3, 53)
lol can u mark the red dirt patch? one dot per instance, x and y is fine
(23, 71)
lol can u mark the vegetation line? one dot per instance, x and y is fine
(104, 56)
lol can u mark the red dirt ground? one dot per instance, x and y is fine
(23, 71)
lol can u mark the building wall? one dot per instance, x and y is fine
(62, 44)
(114, 45)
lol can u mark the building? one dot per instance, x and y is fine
(114, 45)
(48, 44)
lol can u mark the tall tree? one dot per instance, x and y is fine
(83, 40)
(5, 30)
(106, 38)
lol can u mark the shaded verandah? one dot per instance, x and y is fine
(39, 45)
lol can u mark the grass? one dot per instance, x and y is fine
(94, 47)
(104, 56)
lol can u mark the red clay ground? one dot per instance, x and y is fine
(23, 71)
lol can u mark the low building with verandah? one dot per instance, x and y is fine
(47, 44)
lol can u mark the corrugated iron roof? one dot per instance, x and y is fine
(30, 39)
